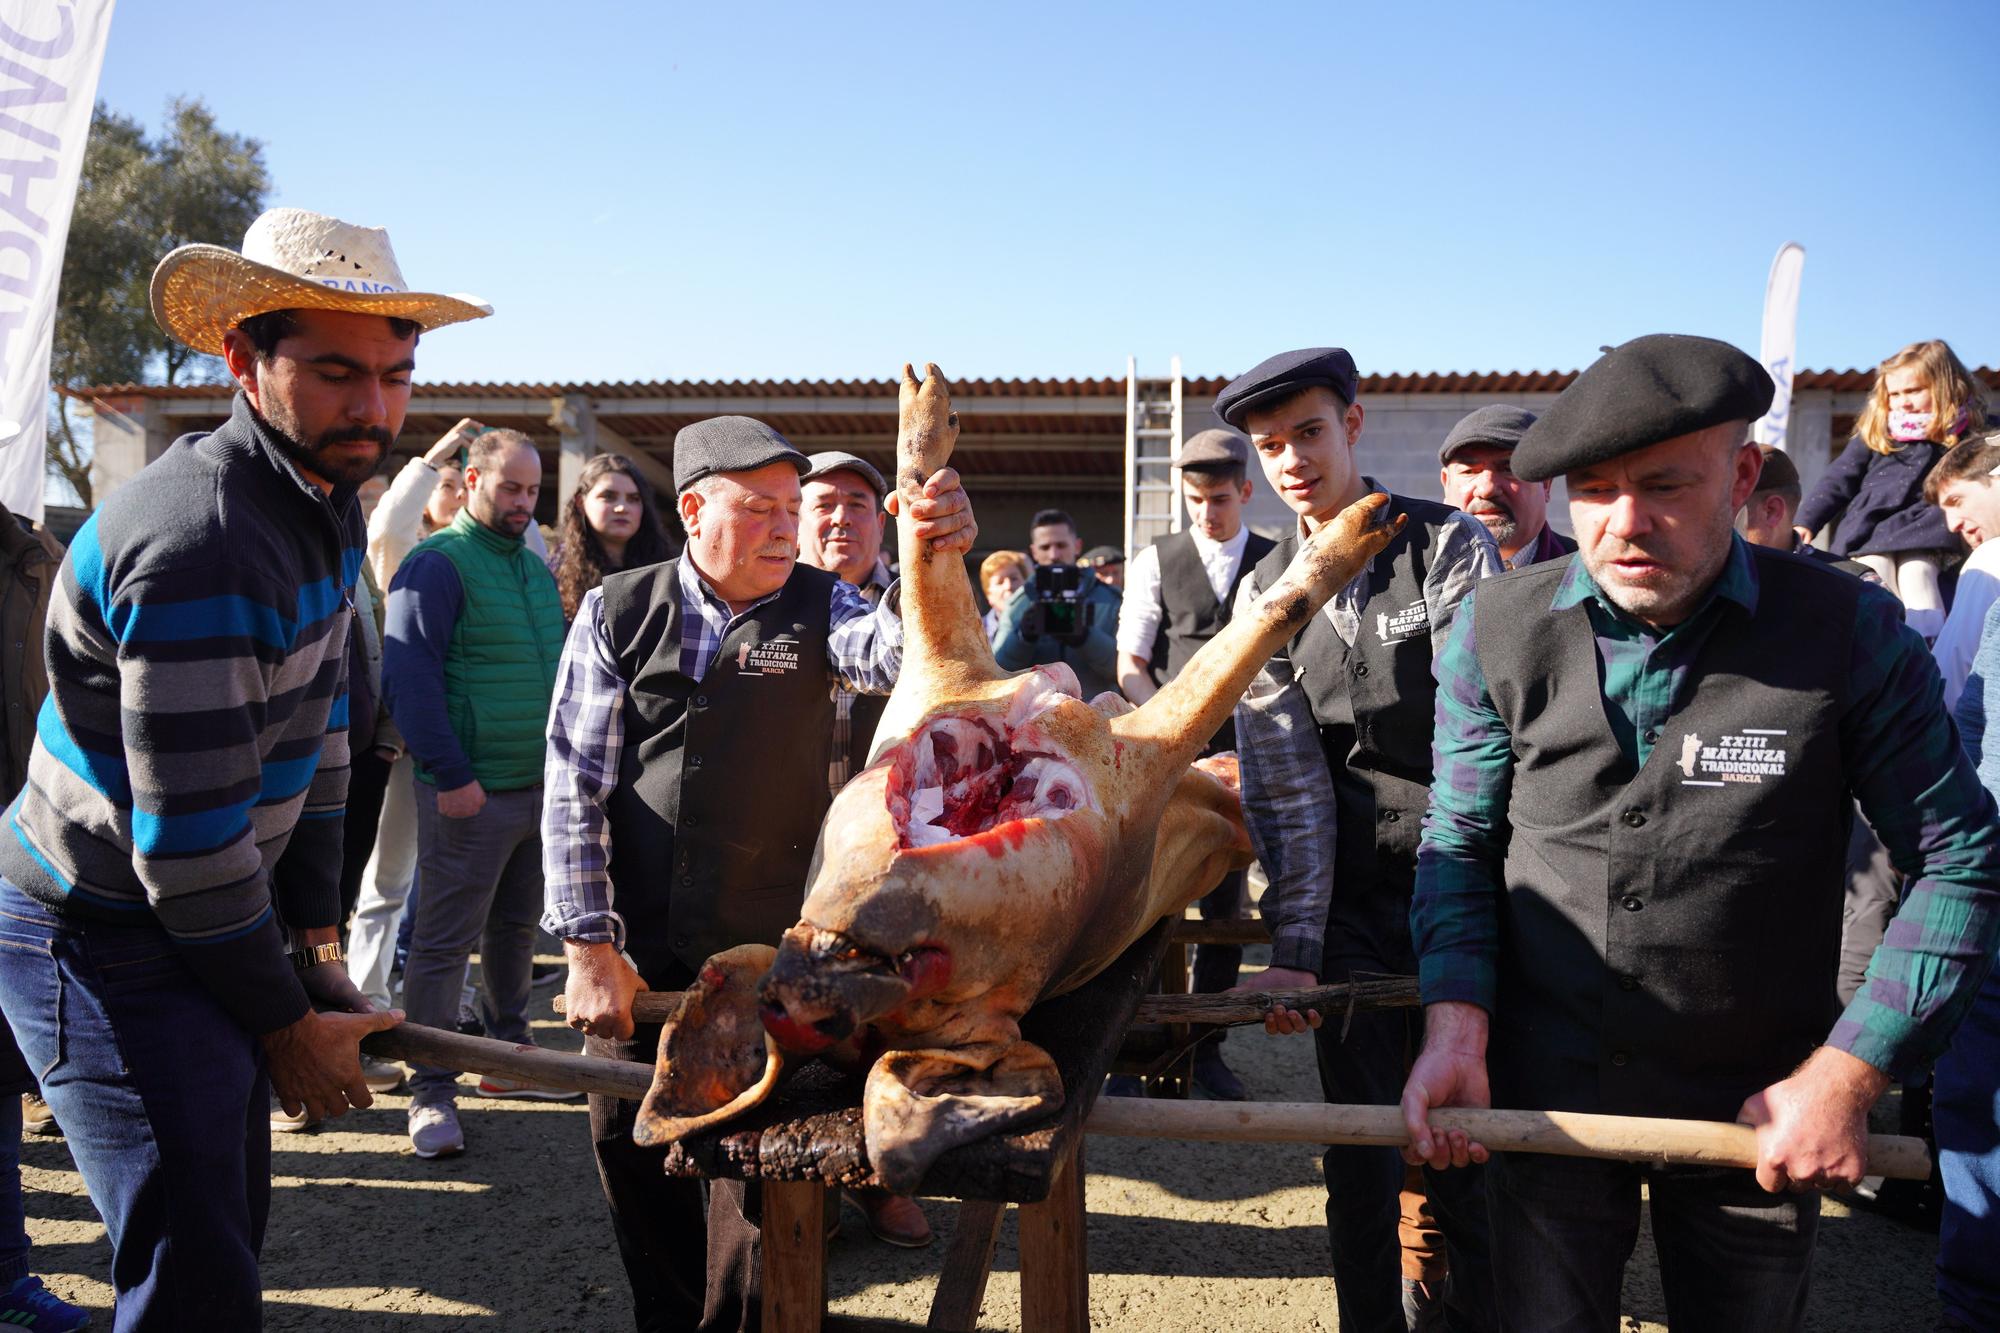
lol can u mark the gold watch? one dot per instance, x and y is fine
(317, 954)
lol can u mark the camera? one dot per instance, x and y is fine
(1057, 609)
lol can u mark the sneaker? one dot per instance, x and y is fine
(434, 1131)
(284, 1122)
(544, 975)
(492, 1085)
(29, 1304)
(1215, 1078)
(381, 1075)
(36, 1117)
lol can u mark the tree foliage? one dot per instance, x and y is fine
(136, 199)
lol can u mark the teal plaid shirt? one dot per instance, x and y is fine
(1906, 769)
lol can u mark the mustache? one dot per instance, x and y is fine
(355, 435)
(1488, 507)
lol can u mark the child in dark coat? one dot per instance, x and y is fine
(1923, 402)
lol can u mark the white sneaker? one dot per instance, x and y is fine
(434, 1131)
(381, 1075)
(284, 1122)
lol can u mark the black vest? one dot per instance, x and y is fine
(1373, 705)
(1190, 615)
(1670, 934)
(718, 802)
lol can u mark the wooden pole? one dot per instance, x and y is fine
(483, 1055)
(1220, 1009)
(1566, 1133)
(794, 1234)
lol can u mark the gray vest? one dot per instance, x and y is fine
(1190, 615)
(722, 781)
(1670, 933)
(1373, 705)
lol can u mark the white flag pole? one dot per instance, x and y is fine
(50, 56)
(1779, 348)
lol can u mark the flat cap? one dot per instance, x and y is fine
(1214, 448)
(1639, 393)
(1102, 555)
(1779, 470)
(1498, 425)
(834, 460)
(729, 444)
(1281, 376)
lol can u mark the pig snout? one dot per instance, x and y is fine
(823, 989)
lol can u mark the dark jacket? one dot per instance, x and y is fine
(28, 564)
(1876, 502)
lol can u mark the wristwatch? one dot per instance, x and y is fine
(317, 954)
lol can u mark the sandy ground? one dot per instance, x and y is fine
(1183, 1236)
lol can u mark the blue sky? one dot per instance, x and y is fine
(798, 191)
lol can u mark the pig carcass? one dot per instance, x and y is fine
(1006, 843)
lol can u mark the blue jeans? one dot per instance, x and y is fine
(165, 1103)
(1965, 1110)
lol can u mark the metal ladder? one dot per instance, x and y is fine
(1152, 439)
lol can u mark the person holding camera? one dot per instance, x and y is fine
(1064, 614)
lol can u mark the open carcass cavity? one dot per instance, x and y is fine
(964, 775)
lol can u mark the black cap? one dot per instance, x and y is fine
(1214, 448)
(1098, 556)
(1498, 425)
(1779, 471)
(1282, 376)
(728, 444)
(1639, 393)
(834, 460)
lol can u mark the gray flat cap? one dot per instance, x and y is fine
(1102, 555)
(729, 444)
(1498, 425)
(1214, 448)
(834, 460)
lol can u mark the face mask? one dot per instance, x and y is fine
(1909, 427)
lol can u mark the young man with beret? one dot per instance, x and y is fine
(171, 894)
(1334, 737)
(1475, 468)
(1628, 896)
(1178, 595)
(682, 810)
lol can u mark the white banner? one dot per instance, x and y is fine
(1781, 340)
(50, 55)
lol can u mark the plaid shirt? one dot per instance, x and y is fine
(1906, 769)
(874, 588)
(864, 651)
(1287, 786)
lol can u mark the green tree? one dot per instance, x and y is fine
(136, 199)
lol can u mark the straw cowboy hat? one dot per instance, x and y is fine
(293, 260)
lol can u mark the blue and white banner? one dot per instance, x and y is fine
(50, 55)
(1779, 350)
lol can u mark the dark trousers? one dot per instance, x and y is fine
(690, 1247)
(1366, 1066)
(367, 781)
(165, 1103)
(1731, 1256)
(1216, 965)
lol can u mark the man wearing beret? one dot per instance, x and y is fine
(841, 525)
(1629, 891)
(682, 811)
(1475, 467)
(1178, 594)
(1334, 737)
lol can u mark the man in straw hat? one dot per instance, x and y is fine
(1629, 889)
(169, 876)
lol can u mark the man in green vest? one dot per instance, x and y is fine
(474, 630)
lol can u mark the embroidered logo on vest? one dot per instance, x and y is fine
(1408, 623)
(1751, 755)
(768, 659)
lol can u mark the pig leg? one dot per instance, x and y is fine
(920, 1104)
(716, 1061)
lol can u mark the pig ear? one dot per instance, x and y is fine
(716, 1061)
(920, 1104)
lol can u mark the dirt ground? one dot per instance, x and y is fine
(1183, 1236)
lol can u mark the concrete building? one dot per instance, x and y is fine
(1026, 444)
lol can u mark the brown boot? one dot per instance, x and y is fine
(893, 1218)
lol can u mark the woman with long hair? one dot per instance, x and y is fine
(609, 523)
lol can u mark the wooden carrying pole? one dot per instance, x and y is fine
(1222, 1008)
(1565, 1133)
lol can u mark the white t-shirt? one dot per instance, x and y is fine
(1140, 614)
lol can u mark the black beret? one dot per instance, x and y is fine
(1213, 448)
(834, 460)
(1779, 470)
(729, 444)
(1282, 376)
(1498, 425)
(1639, 393)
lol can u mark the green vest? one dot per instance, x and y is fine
(501, 670)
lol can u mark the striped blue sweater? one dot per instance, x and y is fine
(190, 763)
